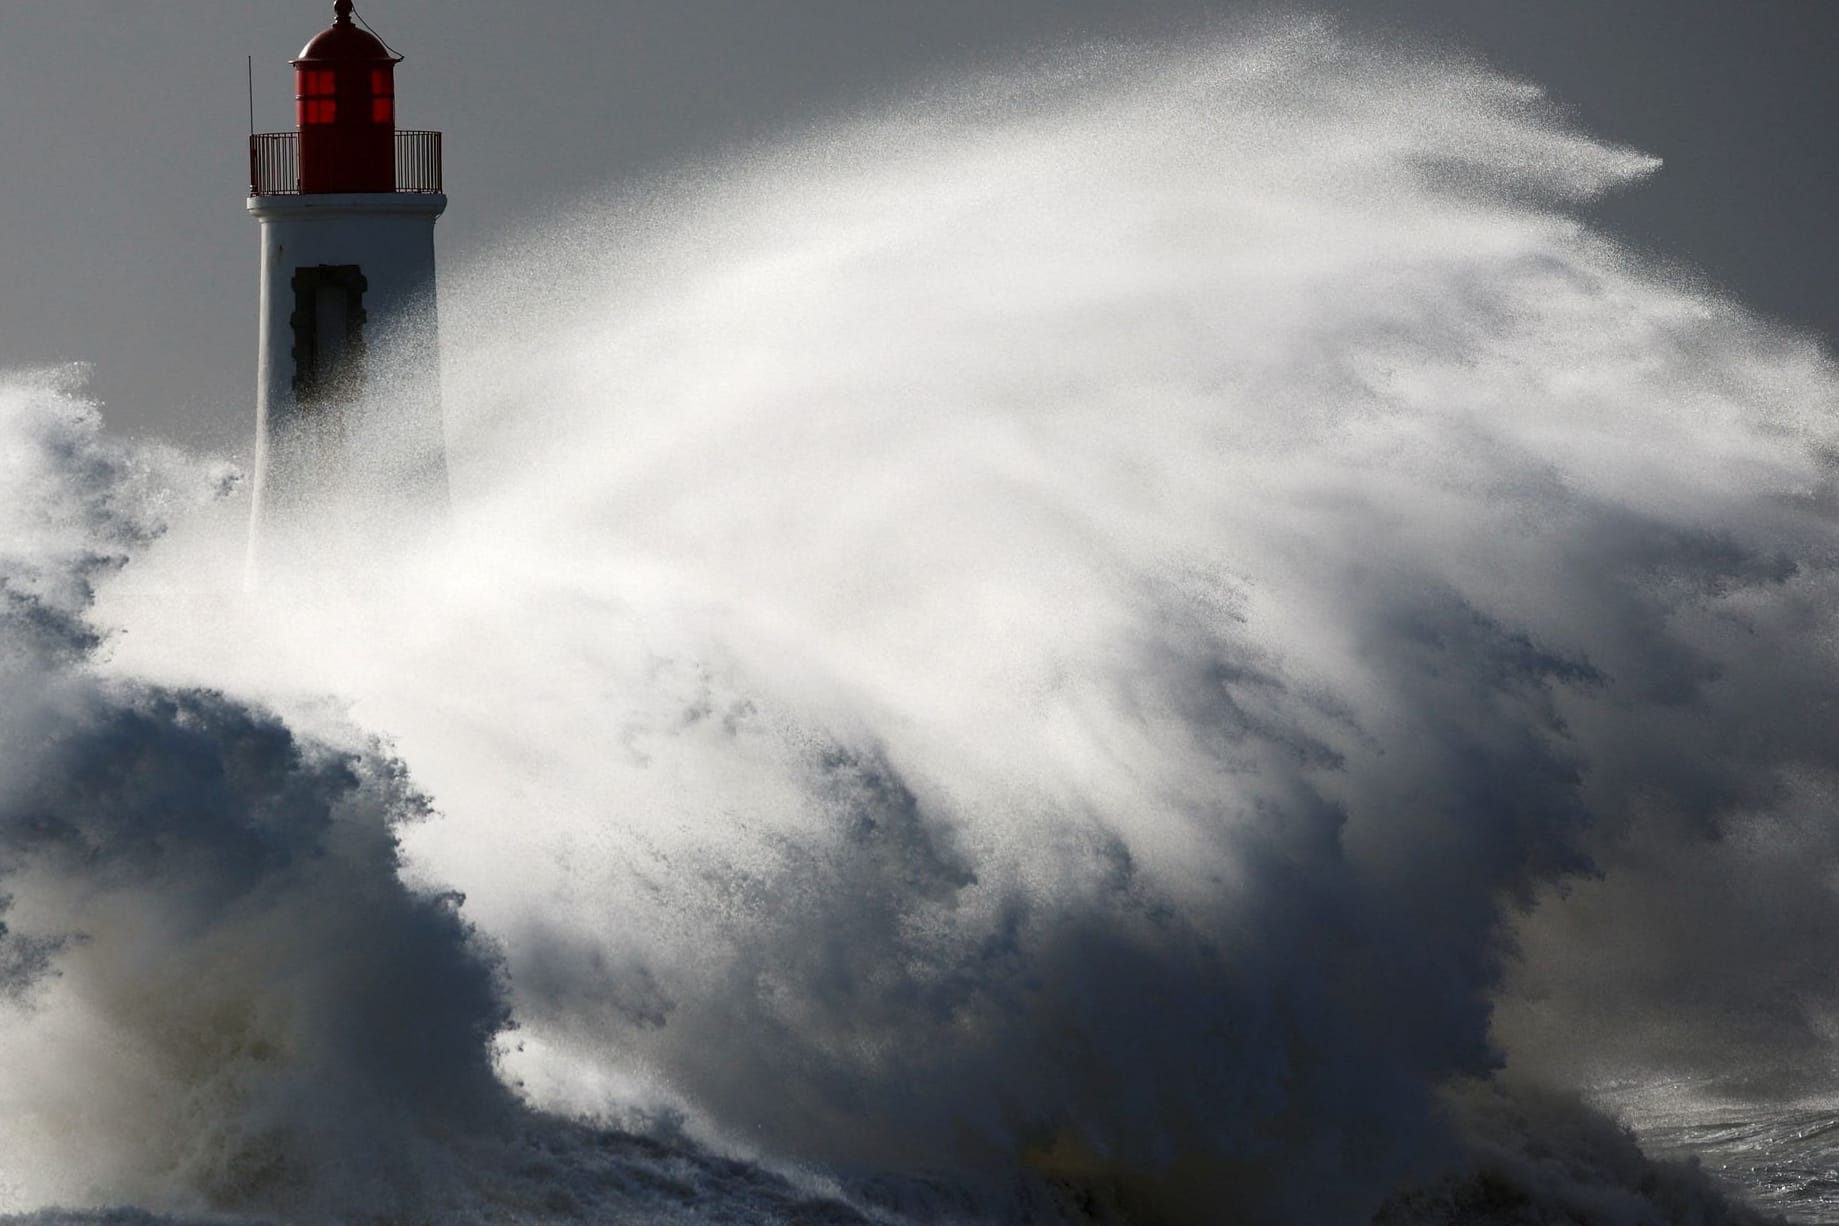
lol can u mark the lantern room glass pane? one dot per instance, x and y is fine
(317, 112)
(382, 110)
(318, 84)
(382, 83)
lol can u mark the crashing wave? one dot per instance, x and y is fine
(1108, 645)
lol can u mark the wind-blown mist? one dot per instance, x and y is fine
(1139, 626)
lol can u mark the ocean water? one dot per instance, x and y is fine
(1163, 635)
(1783, 1155)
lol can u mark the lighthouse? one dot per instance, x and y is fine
(348, 410)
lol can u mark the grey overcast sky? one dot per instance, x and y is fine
(125, 244)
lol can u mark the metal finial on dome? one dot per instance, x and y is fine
(343, 9)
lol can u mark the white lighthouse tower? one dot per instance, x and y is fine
(348, 435)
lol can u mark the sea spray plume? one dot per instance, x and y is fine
(221, 994)
(1438, 397)
(216, 995)
(1056, 627)
(72, 510)
(235, 930)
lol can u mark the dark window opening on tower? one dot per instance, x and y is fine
(328, 324)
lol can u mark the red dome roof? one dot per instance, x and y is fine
(345, 43)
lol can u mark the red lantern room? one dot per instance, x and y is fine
(345, 91)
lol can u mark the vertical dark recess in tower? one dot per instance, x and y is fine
(328, 322)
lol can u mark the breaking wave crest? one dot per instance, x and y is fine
(1114, 642)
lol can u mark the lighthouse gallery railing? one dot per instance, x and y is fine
(274, 163)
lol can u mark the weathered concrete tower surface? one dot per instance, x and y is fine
(348, 437)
